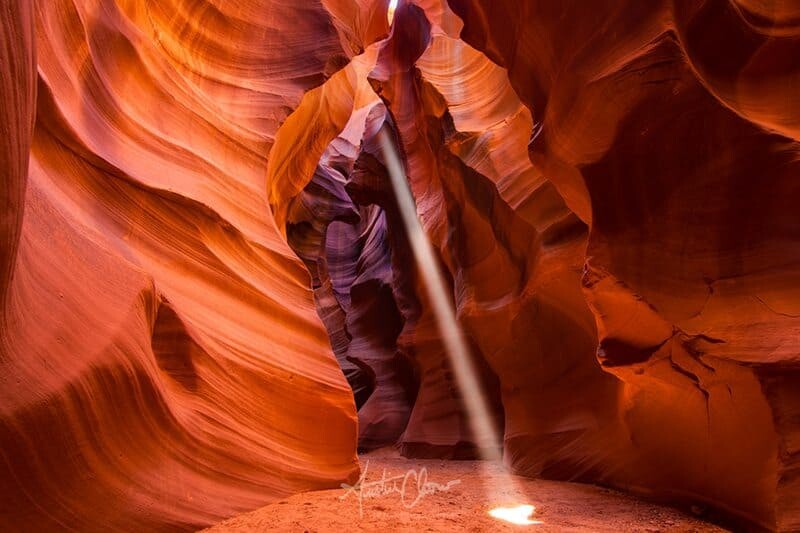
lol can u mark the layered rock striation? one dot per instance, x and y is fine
(208, 297)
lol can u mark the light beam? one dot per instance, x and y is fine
(478, 412)
(487, 437)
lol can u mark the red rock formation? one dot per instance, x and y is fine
(18, 93)
(670, 128)
(210, 277)
(676, 234)
(162, 362)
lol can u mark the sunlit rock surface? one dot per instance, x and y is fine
(670, 129)
(209, 301)
(162, 362)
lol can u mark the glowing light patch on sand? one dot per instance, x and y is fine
(390, 12)
(520, 515)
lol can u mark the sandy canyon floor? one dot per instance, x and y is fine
(455, 499)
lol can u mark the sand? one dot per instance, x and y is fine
(455, 499)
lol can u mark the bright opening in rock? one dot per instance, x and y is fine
(390, 12)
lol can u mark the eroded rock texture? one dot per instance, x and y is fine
(617, 225)
(209, 299)
(162, 362)
(669, 128)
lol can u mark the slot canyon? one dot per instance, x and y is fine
(216, 312)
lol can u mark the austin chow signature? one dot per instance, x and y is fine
(410, 483)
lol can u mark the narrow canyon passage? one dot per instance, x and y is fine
(255, 253)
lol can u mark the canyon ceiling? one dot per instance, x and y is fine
(207, 297)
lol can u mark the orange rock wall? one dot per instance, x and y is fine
(670, 129)
(162, 362)
(208, 300)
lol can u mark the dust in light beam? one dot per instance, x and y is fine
(487, 437)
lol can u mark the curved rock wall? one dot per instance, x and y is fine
(670, 129)
(162, 362)
(593, 198)
(208, 300)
